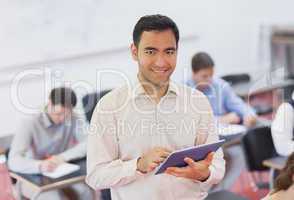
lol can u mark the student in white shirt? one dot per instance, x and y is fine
(135, 127)
(282, 128)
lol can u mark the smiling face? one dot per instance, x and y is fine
(156, 55)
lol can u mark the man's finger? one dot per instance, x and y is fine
(159, 160)
(175, 170)
(164, 154)
(209, 158)
(190, 162)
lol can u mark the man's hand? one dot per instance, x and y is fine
(230, 118)
(150, 160)
(50, 164)
(249, 121)
(195, 170)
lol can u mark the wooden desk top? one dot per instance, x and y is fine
(275, 163)
(43, 183)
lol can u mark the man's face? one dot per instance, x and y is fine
(58, 113)
(203, 78)
(156, 55)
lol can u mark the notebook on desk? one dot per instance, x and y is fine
(62, 170)
(176, 158)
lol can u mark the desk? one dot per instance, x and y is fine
(40, 183)
(276, 163)
(255, 87)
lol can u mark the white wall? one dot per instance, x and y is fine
(80, 37)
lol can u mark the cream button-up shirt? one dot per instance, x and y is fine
(127, 122)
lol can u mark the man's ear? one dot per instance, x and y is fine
(134, 51)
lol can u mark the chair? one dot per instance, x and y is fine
(89, 104)
(90, 101)
(6, 191)
(236, 78)
(258, 146)
(223, 195)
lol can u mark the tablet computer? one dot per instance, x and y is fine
(176, 158)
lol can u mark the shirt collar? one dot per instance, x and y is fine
(138, 89)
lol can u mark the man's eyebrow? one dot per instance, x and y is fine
(170, 48)
(150, 48)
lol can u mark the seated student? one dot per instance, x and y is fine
(283, 128)
(226, 105)
(284, 183)
(48, 139)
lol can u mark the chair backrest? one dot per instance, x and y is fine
(224, 195)
(258, 146)
(5, 184)
(90, 101)
(236, 78)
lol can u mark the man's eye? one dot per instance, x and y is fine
(170, 52)
(149, 52)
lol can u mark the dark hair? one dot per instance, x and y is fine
(285, 178)
(200, 61)
(63, 96)
(154, 23)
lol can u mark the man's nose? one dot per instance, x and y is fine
(160, 61)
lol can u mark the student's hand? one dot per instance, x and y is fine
(150, 160)
(57, 159)
(48, 166)
(230, 118)
(194, 171)
(249, 121)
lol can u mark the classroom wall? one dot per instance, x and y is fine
(75, 44)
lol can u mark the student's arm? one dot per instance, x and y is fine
(104, 167)
(80, 149)
(18, 160)
(233, 103)
(282, 130)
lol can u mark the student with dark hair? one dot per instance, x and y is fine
(284, 183)
(135, 127)
(49, 139)
(226, 105)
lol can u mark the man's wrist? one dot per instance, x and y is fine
(204, 178)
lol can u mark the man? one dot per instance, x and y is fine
(49, 139)
(135, 127)
(226, 105)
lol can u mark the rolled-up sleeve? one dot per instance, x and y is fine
(18, 159)
(282, 130)
(233, 103)
(104, 168)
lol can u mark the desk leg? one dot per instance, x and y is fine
(272, 178)
(36, 195)
(18, 190)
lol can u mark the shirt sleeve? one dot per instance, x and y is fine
(18, 158)
(282, 130)
(104, 168)
(234, 103)
(206, 133)
(80, 149)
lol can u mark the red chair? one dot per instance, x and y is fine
(6, 192)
